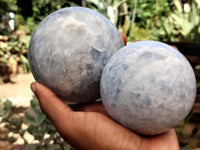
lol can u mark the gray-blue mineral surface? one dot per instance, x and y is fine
(149, 87)
(69, 50)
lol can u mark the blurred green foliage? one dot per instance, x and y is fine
(39, 126)
(15, 47)
(168, 20)
(162, 20)
(27, 15)
(182, 24)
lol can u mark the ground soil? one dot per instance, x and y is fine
(18, 90)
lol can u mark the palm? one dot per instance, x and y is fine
(97, 112)
(92, 128)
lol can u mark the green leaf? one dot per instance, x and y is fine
(54, 147)
(5, 115)
(30, 113)
(35, 131)
(1, 111)
(51, 127)
(5, 60)
(25, 39)
(13, 43)
(25, 63)
(7, 104)
(34, 103)
(1, 53)
(31, 147)
(43, 128)
(30, 121)
(41, 118)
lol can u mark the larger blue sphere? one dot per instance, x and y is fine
(69, 50)
(148, 87)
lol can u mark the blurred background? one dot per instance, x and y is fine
(23, 125)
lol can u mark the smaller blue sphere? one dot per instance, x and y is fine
(148, 87)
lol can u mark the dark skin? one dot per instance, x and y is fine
(91, 128)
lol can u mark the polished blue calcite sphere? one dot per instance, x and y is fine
(148, 87)
(69, 50)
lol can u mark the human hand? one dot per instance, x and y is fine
(92, 129)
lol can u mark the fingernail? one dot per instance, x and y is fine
(33, 88)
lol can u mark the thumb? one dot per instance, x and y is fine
(68, 123)
(50, 104)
